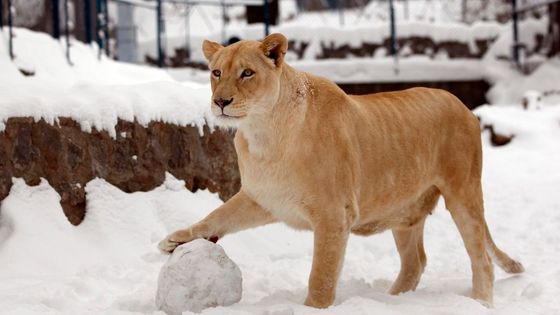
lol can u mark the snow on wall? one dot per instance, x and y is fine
(100, 107)
(7, 67)
(528, 30)
(349, 35)
(413, 69)
(95, 93)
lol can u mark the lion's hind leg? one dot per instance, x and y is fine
(467, 210)
(410, 244)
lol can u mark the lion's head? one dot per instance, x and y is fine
(245, 75)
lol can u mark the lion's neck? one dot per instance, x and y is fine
(270, 128)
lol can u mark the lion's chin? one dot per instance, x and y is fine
(226, 121)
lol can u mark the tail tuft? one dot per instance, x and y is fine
(500, 258)
(511, 266)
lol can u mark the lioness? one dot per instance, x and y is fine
(318, 159)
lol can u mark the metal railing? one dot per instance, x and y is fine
(157, 5)
(97, 26)
(515, 11)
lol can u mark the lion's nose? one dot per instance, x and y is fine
(222, 102)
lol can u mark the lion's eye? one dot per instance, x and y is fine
(217, 73)
(247, 73)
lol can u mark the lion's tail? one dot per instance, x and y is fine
(500, 258)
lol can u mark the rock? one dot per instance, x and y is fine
(497, 139)
(198, 275)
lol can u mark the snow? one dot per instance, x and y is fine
(198, 275)
(109, 264)
(434, 19)
(526, 126)
(95, 93)
(413, 69)
(100, 107)
(353, 35)
(510, 85)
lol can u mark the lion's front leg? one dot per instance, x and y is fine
(238, 213)
(330, 241)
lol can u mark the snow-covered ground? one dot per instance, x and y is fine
(109, 264)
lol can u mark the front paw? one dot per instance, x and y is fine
(168, 244)
(322, 302)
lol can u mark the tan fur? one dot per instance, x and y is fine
(318, 159)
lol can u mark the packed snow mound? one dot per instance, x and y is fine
(510, 85)
(198, 275)
(527, 126)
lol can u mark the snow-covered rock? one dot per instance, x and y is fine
(198, 275)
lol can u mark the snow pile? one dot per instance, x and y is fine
(95, 93)
(198, 275)
(526, 125)
(510, 85)
(109, 263)
(44, 56)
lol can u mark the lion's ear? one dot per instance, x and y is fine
(210, 48)
(274, 46)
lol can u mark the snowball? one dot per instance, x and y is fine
(198, 275)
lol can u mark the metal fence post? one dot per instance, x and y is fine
(87, 21)
(464, 11)
(126, 33)
(56, 19)
(515, 20)
(1, 15)
(187, 32)
(159, 29)
(106, 26)
(266, 7)
(10, 26)
(406, 10)
(224, 21)
(67, 31)
(392, 28)
(340, 7)
(99, 27)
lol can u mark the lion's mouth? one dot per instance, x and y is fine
(226, 116)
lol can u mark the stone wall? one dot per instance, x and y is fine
(471, 93)
(136, 160)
